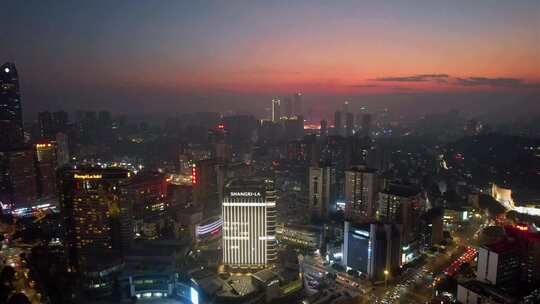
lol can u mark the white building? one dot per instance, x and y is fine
(249, 223)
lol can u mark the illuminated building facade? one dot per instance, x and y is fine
(97, 215)
(209, 229)
(11, 123)
(360, 191)
(249, 223)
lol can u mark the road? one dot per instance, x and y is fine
(23, 283)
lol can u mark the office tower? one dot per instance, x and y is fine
(360, 191)
(322, 180)
(338, 123)
(96, 214)
(349, 124)
(18, 180)
(249, 223)
(205, 188)
(46, 168)
(372, 248)
(62, 149)
(431, 226)
(400, 204)
(499, 264)
(276, 110)
(528, 239)
(288, 107)
(385, 257)
(11, 123)
(45, 125)
(366, 125)
(356, 246)
(324, 128)
(298, 107)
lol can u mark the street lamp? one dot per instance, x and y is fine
(386, 278)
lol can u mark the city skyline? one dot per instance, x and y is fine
(270, 152)
(417, 57)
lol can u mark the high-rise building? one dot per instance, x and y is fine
(288, 107)
(96, 214)
(249, 223)
(322, 181)
(205, 188)
(338, 123)
(360, 193)
(349, 124)
(373, 249)
(298, 108)
(46, 168)
(276, 110)
(147, 191)
(499, 263)
(346, 106)
(60, 121)
(324, 128)
(46, 125)
(366, 125)
(400, 204)
(18, 180)
(11, 123)
(62, 149)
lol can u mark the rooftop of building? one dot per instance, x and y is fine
(490, 291)
(362, 169)
(148, 176)
(310, 228)
(265, 275)
(502, 246)
(401, 190)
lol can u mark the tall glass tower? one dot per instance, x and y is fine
(11, 124)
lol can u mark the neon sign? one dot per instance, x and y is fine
(87, 176)
(246, 194)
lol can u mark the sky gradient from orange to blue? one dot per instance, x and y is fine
(267, 47)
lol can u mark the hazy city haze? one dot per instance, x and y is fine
(158, 57)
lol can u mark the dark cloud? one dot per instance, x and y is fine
(495, 82)
(365, 86)
(415, 78)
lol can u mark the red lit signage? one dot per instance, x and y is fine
(522, 227)
(194, 175)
